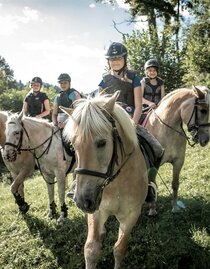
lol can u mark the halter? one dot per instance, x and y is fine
(109, 176)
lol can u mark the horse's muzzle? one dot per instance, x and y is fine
(88, 203)
(10, 155)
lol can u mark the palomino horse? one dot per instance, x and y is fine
(40, 138)
(111, 175)
(20, 169)
(187, 106)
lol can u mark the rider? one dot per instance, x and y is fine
(119, 77)
(36, 103)
(152, 85)
(65, 98)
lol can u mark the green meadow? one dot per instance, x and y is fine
(167, 241)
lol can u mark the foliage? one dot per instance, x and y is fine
(12, 100)
(6, 76)
(197, 53)
(141, 49)
(167, 241)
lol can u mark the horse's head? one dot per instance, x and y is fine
(199, 122)
(14, 132)
(91, 129)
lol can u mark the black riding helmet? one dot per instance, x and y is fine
(64, 77)
(36, 80)
(117, 50)
(151, 63)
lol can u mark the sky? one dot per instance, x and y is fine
(47, 37)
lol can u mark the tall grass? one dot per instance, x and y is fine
(168, 241)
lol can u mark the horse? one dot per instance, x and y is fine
(43, 141)
(111, 175)
(184, 105)
(20, 169)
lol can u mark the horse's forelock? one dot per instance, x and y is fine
(89, 119)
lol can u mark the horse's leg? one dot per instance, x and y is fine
(93, 245)
(17, 189)
(61, 192)
(177, 166)
(50, 189)
(126, 225)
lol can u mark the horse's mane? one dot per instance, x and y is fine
(170, 94)
(90, 118)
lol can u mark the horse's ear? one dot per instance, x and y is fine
(198, 92)
(20, 116)
(109, 106)
(67, 110)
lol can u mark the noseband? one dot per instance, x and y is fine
(109, 176)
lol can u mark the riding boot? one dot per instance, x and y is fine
(151, 145)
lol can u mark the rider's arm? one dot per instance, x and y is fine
(25, 107)
(47, 109)
(138, 104)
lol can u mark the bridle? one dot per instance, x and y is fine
(196, 125)
(191, 127)
(109, 176)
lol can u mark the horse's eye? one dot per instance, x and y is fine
(203, 111)
(101, 143)
(16, 133)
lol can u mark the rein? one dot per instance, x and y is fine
(182, 133)
(109, 176)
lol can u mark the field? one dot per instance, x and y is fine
(167, 241)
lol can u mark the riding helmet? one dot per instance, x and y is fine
(36, 80)
(116, 50)
(64, 77)
(151, 63)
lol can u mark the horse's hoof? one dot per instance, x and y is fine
(24, 208)
(152, 213)
(176, 209)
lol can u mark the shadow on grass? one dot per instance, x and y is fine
(166, 241)
(64, 241)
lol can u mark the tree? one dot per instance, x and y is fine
(7, 80)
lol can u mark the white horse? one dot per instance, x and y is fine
(40, 138)
(20, 169)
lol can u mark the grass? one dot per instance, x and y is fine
(168, 241)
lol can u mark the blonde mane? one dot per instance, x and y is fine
(91, 118)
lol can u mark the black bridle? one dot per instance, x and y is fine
(109, 176)
(196, 125)
(190, 127)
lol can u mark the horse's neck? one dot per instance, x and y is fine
(36, 132)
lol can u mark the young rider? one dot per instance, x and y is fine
(65, 98)
(119, 77)
(152, 85)
(36, 102)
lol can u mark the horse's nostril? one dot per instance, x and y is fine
(88, 204)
